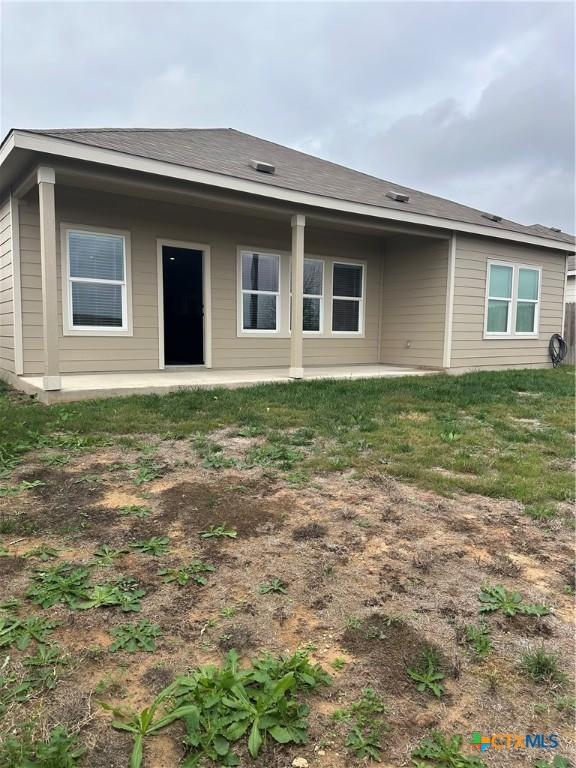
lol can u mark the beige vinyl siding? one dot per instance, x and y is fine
(6, 290)
(31, 282)
(414, 302)
(147, 221)
(469, 347)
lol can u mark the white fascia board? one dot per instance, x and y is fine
(87, 153)
(7, 147)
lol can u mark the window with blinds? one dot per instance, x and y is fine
(347, 298)
(260, 291)
(96, 281)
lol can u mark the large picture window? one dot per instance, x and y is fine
(260, 286)
(96, 281)
(512, 301)
(347, 297)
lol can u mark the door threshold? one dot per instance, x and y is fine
(183, 367)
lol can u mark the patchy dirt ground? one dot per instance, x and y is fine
(375, 572)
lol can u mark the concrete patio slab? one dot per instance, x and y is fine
(95, 385)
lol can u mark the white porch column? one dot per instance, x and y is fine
(297, 267)
(46, 181)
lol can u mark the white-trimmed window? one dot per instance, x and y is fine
(512, 300)
(527, 300)
(96, 288)
(260, 291)
(347, 297)
(313, 310)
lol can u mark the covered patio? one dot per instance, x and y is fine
(90, 385)
(339, 297)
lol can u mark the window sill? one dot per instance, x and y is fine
(305, 334)
(97, 332)
(510, 336)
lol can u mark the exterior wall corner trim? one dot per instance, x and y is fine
(448, 318)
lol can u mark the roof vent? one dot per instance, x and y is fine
(399, 197)
(262, 167)
(555, 229)
(492, 216)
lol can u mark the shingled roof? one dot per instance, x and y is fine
(229, 152)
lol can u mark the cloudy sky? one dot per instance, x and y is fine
(473, 101)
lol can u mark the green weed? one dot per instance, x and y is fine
(147, 470)
(565, 704)
(184, 574)
(274, 455)
(427, 674)
(59, 750)
(217, 461)
(106, 555)
(218, 532)
(125, 593)
(542, 667)
(43, 552)
(145, 723)
(439, 751)
(21, 632)
(138, 636)
(478, 639)
(59, 584)
(45, 656)
(497, 598)
(135, 510)
(56, 459)
(220, 705)
(367, 725)
(274, 586)
(157, 545)
(24, 485)
(557, 762)
(540, 511)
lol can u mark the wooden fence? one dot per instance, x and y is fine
(570, 333)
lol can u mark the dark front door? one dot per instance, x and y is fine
(183, 306)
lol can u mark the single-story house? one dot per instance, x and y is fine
(135, 257)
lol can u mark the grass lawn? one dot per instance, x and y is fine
(330, 572)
